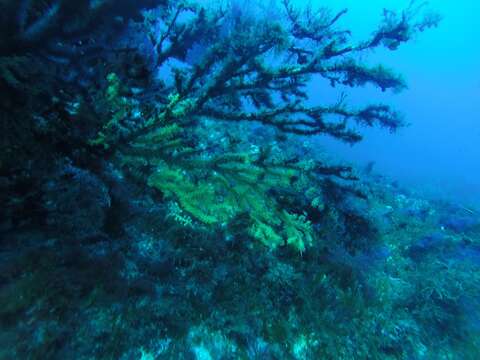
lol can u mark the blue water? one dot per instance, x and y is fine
(438, 153)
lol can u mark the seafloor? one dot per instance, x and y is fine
(160, 292)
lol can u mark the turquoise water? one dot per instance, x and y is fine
(439, 151)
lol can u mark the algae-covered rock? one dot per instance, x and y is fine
(76, 202)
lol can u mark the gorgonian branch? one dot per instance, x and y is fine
(244, 67)
(301, 120)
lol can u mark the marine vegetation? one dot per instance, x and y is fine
(162, 198)
(239, 67)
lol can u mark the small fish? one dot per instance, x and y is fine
(468, 210)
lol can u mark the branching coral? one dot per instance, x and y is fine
(254, 70)
(217, 189)
(119, 107)
(257, 68)
(207, 62)
(212, 188)
(232, 190)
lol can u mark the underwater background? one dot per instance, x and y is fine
(200, 179)
(438, 153)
